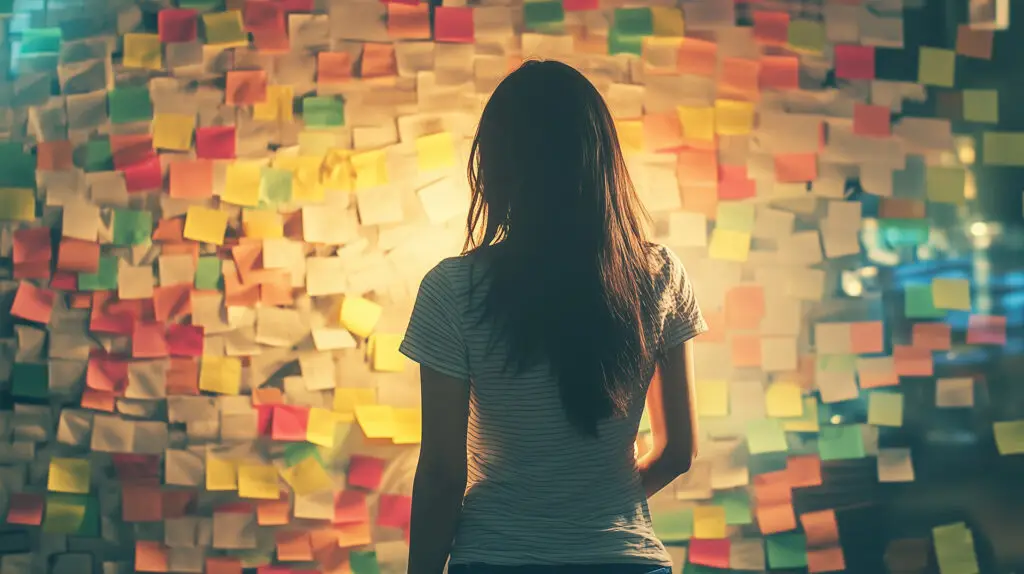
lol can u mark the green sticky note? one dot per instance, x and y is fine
(981, 106)
(673, 525)
(954, 549)
(208, 276)
(736, 504)
(836, 363)
(323, 112)
(275, 186)
(543, 15)
(919, 304)
(904, 232)
(64, 514)
(97, 156)
(105, 277)
(624, 44)
(806, 36)
(132, 226)
(840, 442)
(6, 7)
(297, 452)
(131, 104)
(885, 409)
(691, 568)
(30, 380)
(364, 562)
(18, 168)
(786, 550)
(638, 21)
(766, 435)
(945, 184)
(936, 67)
(202, 6)
(40, 41)
(735, 216)
(1003, 148)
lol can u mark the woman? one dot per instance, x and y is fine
(537, 348)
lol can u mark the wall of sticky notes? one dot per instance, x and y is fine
(215, 214)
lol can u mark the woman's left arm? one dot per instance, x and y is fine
(440, 482)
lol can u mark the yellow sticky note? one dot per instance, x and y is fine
(242, 183)
(277, 107)
(17, 204)
(729, 245)
(981, 106)
(435, 151)
(806, 36)
(733, 117)
(885, 409)
(808, 422)
(220, 374)
(221, 474)
(952, 294)
(668, 21)
(262, 224)
(1003, 148)
(307, 477)
(173, 131)
(936, 67)
(709, 522)
(346, 400)
(698, 122)
(371, 169)
(945, 184)
(70, 475)
(205, 224)
(224, 29)
(258, 481)
(143, 51)
(321, 426)
(337, 170)
(784, 399)
(62, 517)
(631, 136)
(360, 315)
(307, 185)
(1009, 437)
(377, 421)
(408, 426)
(712, 398)
(384, 349)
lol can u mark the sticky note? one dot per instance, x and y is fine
(206, 225)
(278, 105)
(307, 477)
(208, 273)
(103, 279)
(806, 36)
(435, 151)
(712, 398)
(936, 67)
(949, 293)
(71, 475)
(736, 504)
(262, 224)
(221, 474)
(225, 29)
(885, 409)
(735, 216)
(1003, 148)
(347, 399)
(129, 104)
(384, 349)
(322, 426)
(808, 421)
(454, 24)
(323, 111)
(132, 226)
(360, 315)
(788, 550)
(784, 399)
(220, 374)
(631, 136)
(673, 526)
(840, 442)
(667, 21)
(981, 106)
(638, 21)
(709, 522)
(242, 183)
(258, 481)
(17, 204)
(733, 117)
(945, 184)
(543, 15)
(63, 515)
(376, 421)
(408, 426)
(370, 169)
(766, 435)
(143, 51)
(1009, 436)
(275, 186)
(173, 131)
(729, 245)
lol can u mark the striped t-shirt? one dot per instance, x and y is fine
(538, 491)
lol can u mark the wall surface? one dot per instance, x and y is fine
(215, 219)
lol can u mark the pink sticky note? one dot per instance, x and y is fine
(733, 183)
(33, 303)
(25, 509)
(365, 471)
(32, 245)
(107, 374)
(148, 341)
(713, 553)
(855, 62)
(872, 121)
(453, 24)
(289, 422)
(185, 340)
(986, 330)
(215, 142)
(394, 510)
(176, 26)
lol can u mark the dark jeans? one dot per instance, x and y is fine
(568, 569)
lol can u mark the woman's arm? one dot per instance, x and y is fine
(671, 408)
(440, 482)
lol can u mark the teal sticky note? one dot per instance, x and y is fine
(129, 105)
(981, 106)
(364, 562)
(202, 6)
(766, 435)
(638, 21)
(736, 504)
(132, 226)
(208, 275)
(543, 15)
(96, 155)
(904, 232)
(919, 304)
(275, 186)
(105, 277)
(786, 550)
(30, 380)
(673, 525)
(18, 168)
(624, 44)
(6, 7)
(323, 112)
(885, 408)
(40, 41)
(840, 442)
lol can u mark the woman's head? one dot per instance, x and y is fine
(554, 208)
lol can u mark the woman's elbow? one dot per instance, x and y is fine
(680, 460)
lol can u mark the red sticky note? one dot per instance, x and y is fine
(713, 553)
(132, 468)
(54, 155)
(911, 362)
(32, 246)
(733, 183)
(175, 26)
(25, 509)
(453, 24)
(64, 281)
(872, 121)
(986, 330)
(260, 15)
(215, 142)
(144, 176)
(106, 374)
(779, 73)
(796, 167)
(579, 5)
(289, 422)
(365, 471)
(297, 5)
(855, 62)
(77, 256)
(131, 149)
(33, 303)
(394, 510)
(771, 28)
(350, 506)
(148, 341)
(140, 503)
(932, 336)
(185, 340)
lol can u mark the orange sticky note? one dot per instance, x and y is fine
(779, 73)
(409, 21)
(662, 132)
(820, 527)
(932, 336)
(192, 179)
(333, 67)
(697, 57)
(293, 546)
(826, 560)
(912, 362)
(378, 61)
(872, 121)
(776, 518)
(796, 167)
(245, 87)
(150, 556)
(746, 350)
(738, 79)
(744, 307)
(771, 28)
(33, 303)
(803, 471)
(866, 337)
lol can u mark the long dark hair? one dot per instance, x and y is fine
(558, 219)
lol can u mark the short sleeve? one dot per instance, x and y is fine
(683, 319)
(434, 336)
